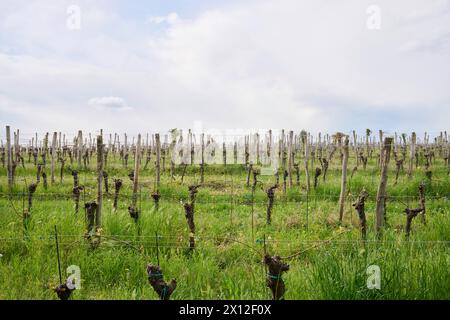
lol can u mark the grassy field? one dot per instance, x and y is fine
(227, 260)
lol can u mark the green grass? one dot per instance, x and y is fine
(226, 263)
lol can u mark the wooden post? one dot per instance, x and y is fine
(114, 145)
(164, 151)
(312, 152)
(126, 143)
(80, 147)
(343, 180)
(134, 213)
(98, 217)
(202, 166)
(355, 147)
(290, 157)
(308, 183)
(158, 159)
(224, 153)
(269, 147)
(53, 154)
(381, 194)
(189, 147)
(448, 159)
(396, 141)
(9, 156)
(45, 148)
(380, 133)
(367, 143)
(246, 151)
(258, 160)
(14, 148)
(319, 145)
(136, 170)
(412, 154)
(281, 150)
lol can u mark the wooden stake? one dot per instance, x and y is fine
(290, 157)
(79, 147)
(136, 170)
(134, 213)
(53, 154)
(343, 180)
(412, 154)
(98, 217)
(381, 194)
(9, 157)
(158, 159)
(308, 183)
(202, 166)
(367, 143)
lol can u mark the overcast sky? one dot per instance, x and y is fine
(155, 65)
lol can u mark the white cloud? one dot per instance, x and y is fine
(114, 103)
(171, 18)
(255, 64)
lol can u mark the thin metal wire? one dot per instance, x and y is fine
(199, 200)
(57, 253)
(181, 239)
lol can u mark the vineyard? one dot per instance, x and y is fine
(186, 215)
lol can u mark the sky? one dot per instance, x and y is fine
(147, 66)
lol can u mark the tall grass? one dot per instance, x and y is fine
(226, 263)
